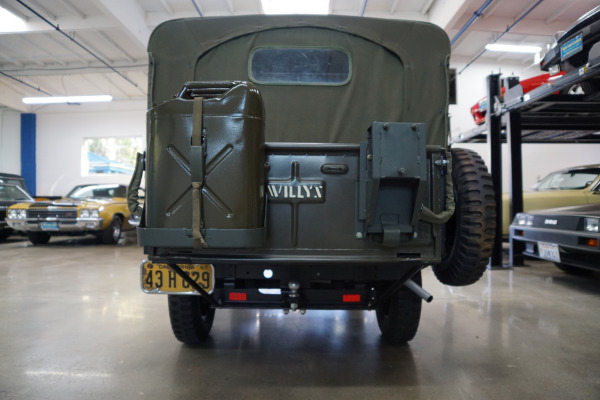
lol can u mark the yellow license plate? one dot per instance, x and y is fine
(158, 278)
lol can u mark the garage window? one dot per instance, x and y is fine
(300, 66)
(111, 155)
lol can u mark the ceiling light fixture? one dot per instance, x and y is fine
(512, 48)
(295, 6)
(66, 99)
(9, 22)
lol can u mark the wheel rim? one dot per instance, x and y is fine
(116, 231)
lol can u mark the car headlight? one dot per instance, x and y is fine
(591, 225)
(89, 213)
(523, 219)
(17, 214)
(555, 69)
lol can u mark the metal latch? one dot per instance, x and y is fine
(442, 162)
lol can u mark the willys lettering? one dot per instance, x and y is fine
(294, 190)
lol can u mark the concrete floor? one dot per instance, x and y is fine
(75, 325)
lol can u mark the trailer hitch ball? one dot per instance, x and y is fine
(294, 295)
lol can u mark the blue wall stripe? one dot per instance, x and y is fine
(28, 166)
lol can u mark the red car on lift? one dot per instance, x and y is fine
(479, 109)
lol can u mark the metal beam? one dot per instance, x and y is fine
(95, 51)
(131, 18)
(8, 100)
(493, 122)
(446, 13)
(76, 68)
(115, 45)
(166, 6)
(71, 23)
(554, 16)
(427, 6)
(67, 4)
(488, 11)
(18, 11)
(42, 50)
(534, 28)
(43, 10)
(230, 7)
(70, 49)
(515, 193)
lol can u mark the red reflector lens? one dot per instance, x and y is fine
(351, 298)
(237, 296)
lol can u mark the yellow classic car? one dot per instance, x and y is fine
(99, 209)
(569, 187)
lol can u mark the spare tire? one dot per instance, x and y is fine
(470, 231)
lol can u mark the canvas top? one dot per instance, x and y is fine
(324, 79)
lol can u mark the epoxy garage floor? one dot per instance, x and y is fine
(75, 325)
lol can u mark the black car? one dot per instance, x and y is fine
(10, 194)
(576, 47)
(13, 179)
(567, 236)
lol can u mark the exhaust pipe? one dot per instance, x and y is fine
(418, 290)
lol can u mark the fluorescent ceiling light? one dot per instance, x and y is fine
(295, 6)
(9, 22)
(512, 48)
(66, 99)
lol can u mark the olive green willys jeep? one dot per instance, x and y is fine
(301, 162)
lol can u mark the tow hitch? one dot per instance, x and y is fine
(294, 297)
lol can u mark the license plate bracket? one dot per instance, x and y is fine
(549, 251)
(159, 278)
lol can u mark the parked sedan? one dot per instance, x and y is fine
(10, 194)
(569, 187)
(575, 47)
(567, 236)
(99, 209)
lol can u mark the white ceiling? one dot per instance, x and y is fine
(117, 31)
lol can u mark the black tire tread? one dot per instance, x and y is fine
(38, 237)
(473, 224)
(107, 234)
(399, 317)
(590, 86)
(191, 318)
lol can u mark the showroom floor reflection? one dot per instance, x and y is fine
(76, 325)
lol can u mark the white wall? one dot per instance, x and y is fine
(61, 130)
(538, 159)
(10, 141)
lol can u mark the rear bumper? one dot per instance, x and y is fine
(571, 244)
(358, 287)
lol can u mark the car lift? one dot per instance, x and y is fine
(547, 117)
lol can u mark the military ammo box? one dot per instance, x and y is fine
(301, 162)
